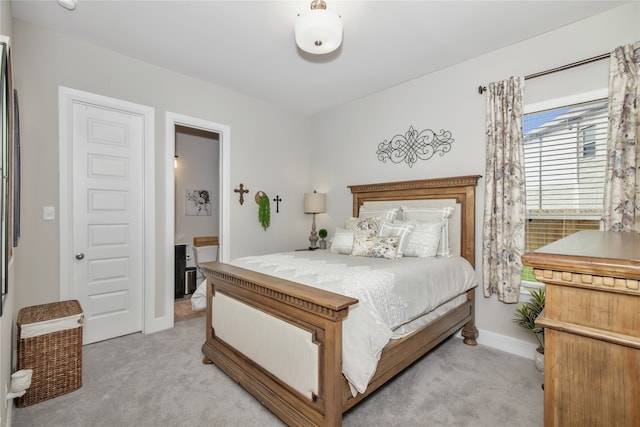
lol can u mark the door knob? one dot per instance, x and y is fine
(80, 255)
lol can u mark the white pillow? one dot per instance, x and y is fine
(384, 214)
(371, 223)
(425, 239)
(433, 215)
(376, 246)
(342, 242)
(401, 230)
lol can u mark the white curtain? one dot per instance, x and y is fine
(503, 232)
(622, 182)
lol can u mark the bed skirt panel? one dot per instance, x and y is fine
(284, 350)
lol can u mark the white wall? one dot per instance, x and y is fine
(259, 132)
(345, 139)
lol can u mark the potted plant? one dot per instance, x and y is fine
(526, 316)
(322, 233)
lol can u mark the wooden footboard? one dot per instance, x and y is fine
(310, 309)
(321, 313)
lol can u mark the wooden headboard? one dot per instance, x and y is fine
(461, 189)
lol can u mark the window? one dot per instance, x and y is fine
(565, 158)
(589, 142)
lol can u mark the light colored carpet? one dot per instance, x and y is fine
(159, 380)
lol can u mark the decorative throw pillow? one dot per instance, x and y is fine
(342, 242)
(433, 215)
(375, 246)
(401, 230)
(371, 223)
(384, 214)
(424, 239)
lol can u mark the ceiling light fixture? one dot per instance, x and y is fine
(68, 4)
(318, 30)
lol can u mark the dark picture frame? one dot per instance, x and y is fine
(16, 169)
(4, 148)
(7, 163)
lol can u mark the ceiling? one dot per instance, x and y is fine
(248, 46)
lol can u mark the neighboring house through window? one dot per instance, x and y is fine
(565, 158)
(589, 142)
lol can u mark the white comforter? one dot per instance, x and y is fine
(391, 293)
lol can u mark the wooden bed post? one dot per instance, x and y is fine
(209, 328)
(470, 332)
(333, 376)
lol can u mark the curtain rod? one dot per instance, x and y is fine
(482, 89)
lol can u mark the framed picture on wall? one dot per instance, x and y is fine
(4, 113)
(6, 150)
(197, 202)
(16, 170)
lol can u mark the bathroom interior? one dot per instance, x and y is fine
(196, 209)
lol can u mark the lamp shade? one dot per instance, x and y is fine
(315, 202)
(318, 31)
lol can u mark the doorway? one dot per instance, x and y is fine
(197, 162)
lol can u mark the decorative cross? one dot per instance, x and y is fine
(277, 200)
(242, 192)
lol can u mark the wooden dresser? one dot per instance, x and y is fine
(592, 328)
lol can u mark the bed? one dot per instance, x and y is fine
(298, 373)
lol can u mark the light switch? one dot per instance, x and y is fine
(48, 213)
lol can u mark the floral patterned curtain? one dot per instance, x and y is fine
(503, 231)
(622, 182)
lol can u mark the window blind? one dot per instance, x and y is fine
(565, 160)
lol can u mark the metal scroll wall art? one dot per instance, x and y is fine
(414, 146)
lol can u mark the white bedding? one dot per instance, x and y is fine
(391, 294)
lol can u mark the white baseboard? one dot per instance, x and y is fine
(506, 343)
(160, 323)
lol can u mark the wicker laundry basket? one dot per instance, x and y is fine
(50, 343)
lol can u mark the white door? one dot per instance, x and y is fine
(108, 210)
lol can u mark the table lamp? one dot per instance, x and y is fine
(314, 203)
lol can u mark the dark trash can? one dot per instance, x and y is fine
(189, 280)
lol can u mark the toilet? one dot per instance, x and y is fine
(204, 254)
(205, 249)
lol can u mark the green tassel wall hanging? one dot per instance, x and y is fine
(264, 211)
